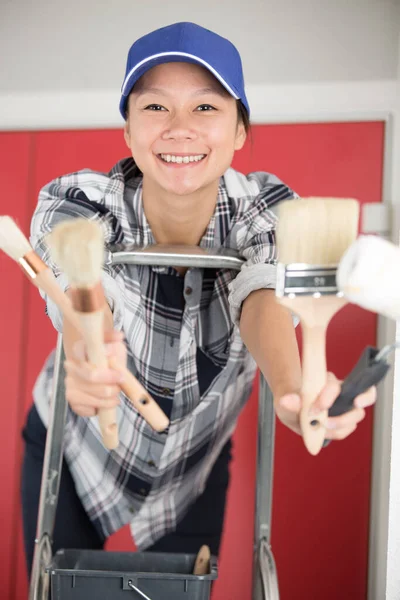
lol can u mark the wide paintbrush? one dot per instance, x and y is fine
(369, 275)
(312, 236)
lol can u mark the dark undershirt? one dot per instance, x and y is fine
(170, 294)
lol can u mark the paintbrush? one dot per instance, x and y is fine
(14, 243)
(312, 236)
(202, 562)
(368, 276)
(77, 247)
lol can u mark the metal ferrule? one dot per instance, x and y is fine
(32, 265)
(88, 300)
(299, 279)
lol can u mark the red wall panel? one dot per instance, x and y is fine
(321, 504)
(15, 153)
(57, 153)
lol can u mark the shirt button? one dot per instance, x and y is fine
(132, 510)
(151, 463)
(166, 391)
(188, 291)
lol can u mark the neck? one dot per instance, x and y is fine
(179, 219)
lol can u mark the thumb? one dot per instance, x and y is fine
(291, 402)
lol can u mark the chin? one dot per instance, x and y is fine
(182, 189)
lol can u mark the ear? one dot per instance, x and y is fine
(127, 136)
(240, 136)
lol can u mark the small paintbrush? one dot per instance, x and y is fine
(312, 236)
(14, 243)
(202, 562)
(77, 247)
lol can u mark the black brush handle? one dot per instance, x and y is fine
(365, 374)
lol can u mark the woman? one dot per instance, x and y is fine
(193, 337)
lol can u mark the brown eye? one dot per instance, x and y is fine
(205, 108)
(155, 107)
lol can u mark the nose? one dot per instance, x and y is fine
(180, 128)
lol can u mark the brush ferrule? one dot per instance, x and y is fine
(298, 279)
(32, 265)
(88, 300)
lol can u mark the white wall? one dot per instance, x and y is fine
(82, 44)
(392, 429)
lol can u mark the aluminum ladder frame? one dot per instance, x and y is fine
(265, 583)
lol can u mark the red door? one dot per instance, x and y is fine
(321, 504)
(15, 153)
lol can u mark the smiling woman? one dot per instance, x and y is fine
(192, 338)
(183, 130)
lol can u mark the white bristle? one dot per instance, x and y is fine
(12, 240)
(77, 247)
(369, 275)
(316, 231)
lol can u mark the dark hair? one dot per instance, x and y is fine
(243, 116)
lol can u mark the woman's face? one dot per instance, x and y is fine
(182, 128)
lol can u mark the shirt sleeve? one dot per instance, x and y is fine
(80, 195)
(256, 242)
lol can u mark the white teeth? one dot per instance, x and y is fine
(181, 159)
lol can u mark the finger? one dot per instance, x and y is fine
(291, 402)
(353, 417)
(113, 336)
(84, 411)
(86, 372)
(78, 398)
(110, 337)
(98, 390)
(368, 398)
(79, 351)
(340, 434)
(327, 396)
(116, 349)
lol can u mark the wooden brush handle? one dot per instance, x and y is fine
(92, 327)
(140, 398)
(314, 376)
(315, 315)
(202, 563)
(46, 281)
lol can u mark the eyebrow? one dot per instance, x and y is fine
(200, 92)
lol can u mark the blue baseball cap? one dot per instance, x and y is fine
(185, 42)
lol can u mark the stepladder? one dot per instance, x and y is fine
(264, 576)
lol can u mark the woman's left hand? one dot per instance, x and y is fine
(338, 428)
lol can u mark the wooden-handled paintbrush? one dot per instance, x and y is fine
(202, 562)
(368, 275)
(77, 247)
(14, 243)
(312, 236)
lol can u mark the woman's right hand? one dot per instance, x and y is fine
(88, 388)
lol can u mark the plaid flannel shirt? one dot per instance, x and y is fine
(151, 479)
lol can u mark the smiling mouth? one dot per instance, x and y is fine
(187, 159)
